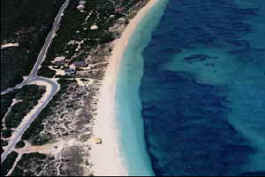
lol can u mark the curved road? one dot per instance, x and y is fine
(42, 55)
(33, 77)
(18, 133)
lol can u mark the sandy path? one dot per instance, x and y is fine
(51, 85)
(9, 45)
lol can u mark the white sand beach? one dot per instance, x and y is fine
(106, 157)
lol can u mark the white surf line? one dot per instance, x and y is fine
(3, 46)
(106, 157)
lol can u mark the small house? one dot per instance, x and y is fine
(69, 72)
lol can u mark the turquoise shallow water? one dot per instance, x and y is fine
(127, 99)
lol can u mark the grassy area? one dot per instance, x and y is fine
(28, 164)
(33, 132)
(26, 22)
(6, 133)
(76, 26)
(30, 94)
(6, 101)
(73, 27)
(20, 144)
(8, 163)
(4, 143)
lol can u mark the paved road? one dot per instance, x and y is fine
(18, 133)
(16, 137)
(42, 55)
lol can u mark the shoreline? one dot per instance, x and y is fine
(106, 157)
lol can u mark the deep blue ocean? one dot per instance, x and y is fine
(203, 89)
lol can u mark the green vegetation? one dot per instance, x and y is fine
(20, 144)
(6, 101)
(28, 163)
(75, 27)
(17, 172)
(28, 23)
(1, 149)
(8, 163)
(30, 94)
(46, 72)
(33, 132)
(6, 133)
(26, 157)
(4, 143)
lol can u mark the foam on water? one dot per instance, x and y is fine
(127, 96)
